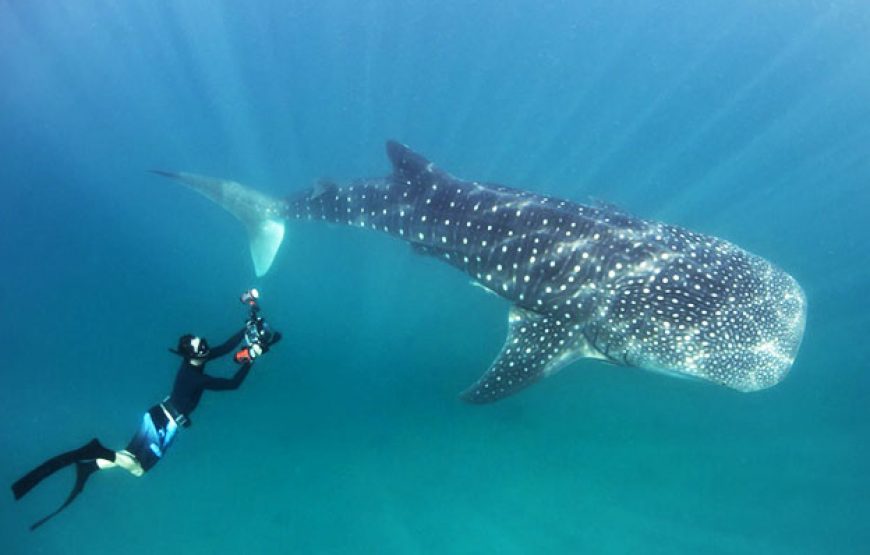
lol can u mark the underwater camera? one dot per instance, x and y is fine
(258, 333)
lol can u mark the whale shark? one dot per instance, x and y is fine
(583, 281)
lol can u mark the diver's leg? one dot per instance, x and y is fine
(139, 457)
(125, 460)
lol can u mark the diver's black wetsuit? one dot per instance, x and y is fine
(192, 380)
(161, 422)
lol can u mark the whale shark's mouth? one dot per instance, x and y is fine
(733, 318)
(756, 342)
(772, 357)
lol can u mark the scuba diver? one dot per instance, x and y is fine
(160, 423)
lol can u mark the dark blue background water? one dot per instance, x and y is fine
(747, 120)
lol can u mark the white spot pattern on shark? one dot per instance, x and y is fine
(584, 281)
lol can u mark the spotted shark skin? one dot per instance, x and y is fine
(583, 281)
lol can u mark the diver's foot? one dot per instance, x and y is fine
(129, 462)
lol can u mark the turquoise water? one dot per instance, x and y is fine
(745, 120)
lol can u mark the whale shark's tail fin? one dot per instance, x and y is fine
(261, 214)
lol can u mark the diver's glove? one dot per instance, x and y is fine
(248, 354)
(273, 338)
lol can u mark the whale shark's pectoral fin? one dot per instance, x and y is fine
(536, 346)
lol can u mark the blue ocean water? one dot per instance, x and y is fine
(746, 120)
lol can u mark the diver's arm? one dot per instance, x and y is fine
(224, 384)
(227, 345)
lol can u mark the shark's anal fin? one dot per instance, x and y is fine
(536, 346)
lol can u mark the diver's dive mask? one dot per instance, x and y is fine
(199, 347)
(192, 347)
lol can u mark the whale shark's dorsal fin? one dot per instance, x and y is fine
(411, 167)
(322, 187)
(260, 213)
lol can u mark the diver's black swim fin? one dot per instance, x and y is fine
(84, 459)
(83, 472)
(90, 451)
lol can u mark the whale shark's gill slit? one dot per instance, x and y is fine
(590, 335)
